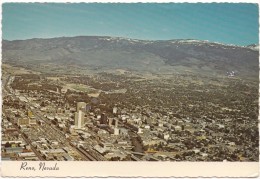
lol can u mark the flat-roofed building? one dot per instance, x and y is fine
(33, 121)
(23, 121)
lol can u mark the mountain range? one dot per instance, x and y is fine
(154, 56)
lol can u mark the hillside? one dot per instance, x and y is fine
(159, 56)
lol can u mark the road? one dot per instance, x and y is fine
(55, 133)
(50, 130)
(28, 141)
(32, 147)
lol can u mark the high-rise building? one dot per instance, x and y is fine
(88, 108)
(116, 123)
(103, 119)
(114, 110)
(79, 119)
(79, 115)
(81, 106)
(116, 131)
(110, 121)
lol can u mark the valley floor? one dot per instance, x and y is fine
(128, 116)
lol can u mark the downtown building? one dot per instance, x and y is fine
(80, 115)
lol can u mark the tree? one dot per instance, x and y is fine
(115, 159)
(7, 145)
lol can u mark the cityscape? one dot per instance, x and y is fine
(107, 98)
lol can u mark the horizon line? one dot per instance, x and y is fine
(129, 38)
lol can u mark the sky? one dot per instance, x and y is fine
(229, 23)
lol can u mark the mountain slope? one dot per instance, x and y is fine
(137, 55)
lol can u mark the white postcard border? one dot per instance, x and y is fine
(131, 169)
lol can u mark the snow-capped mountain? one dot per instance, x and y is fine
(254, 47)
(156, 56)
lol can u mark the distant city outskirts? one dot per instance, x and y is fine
(101, 98)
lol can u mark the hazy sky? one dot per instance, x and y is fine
(226, 23)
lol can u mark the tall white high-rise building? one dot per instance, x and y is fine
(79, 115)
(81, 106)
(114, 110)
(79, 119)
